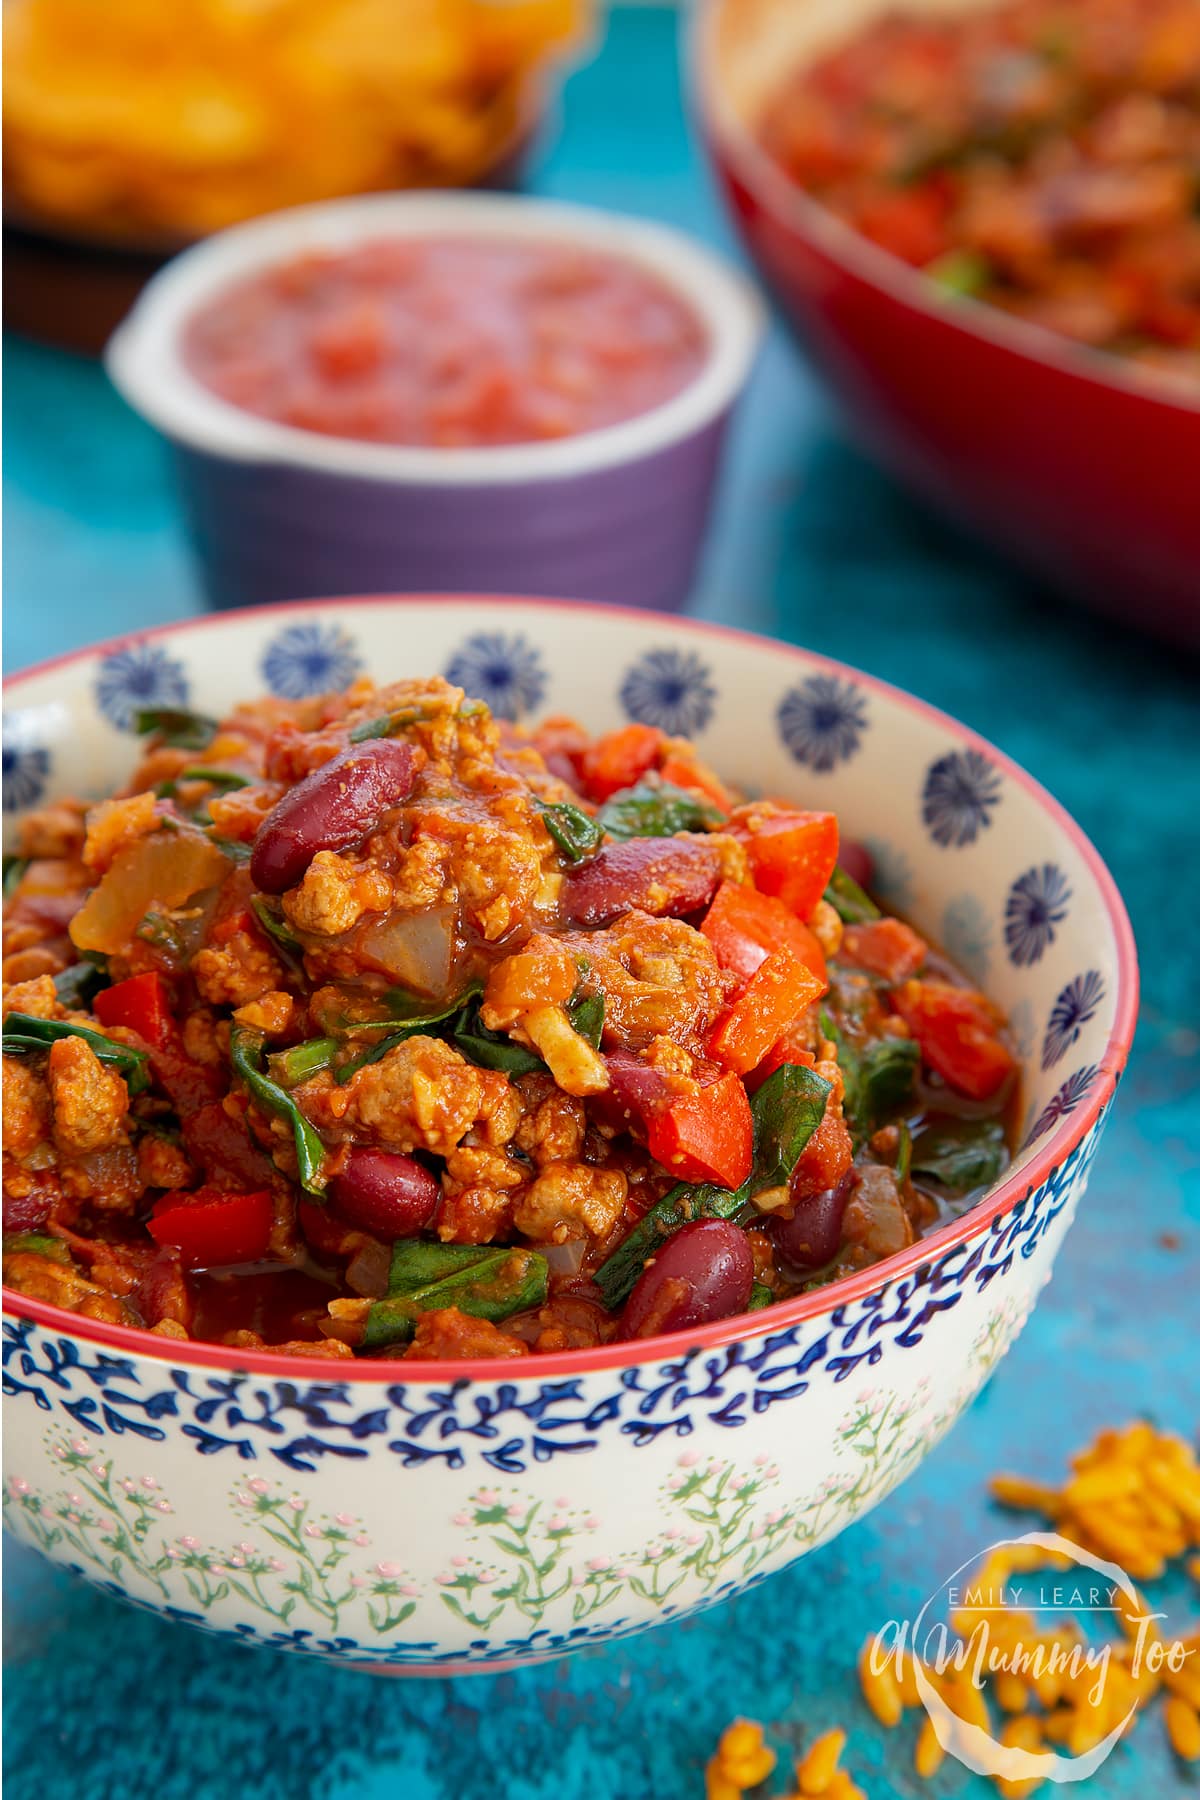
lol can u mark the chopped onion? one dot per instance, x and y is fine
(161, 871)
(565, 1259)
(415, 949)
(368, 1270)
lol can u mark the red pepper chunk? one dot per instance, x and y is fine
(744, 927)
(792, 854)
(886, 947)
(695, 777)
(774, 997)
(619, 759)
(140, 1004)
(708, 1136)
(826, 1159)
(212, 1229)
(788, 1049)
(957, 1031)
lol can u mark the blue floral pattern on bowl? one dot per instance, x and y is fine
(504, 669)
(1038, 903)
(822, 721)
(27, 766)
(672, 689)
(961, 791)
(1072, 1010)
(310, 659)
(136, 678)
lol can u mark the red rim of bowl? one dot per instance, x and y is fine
(624, 1354)
(898, 280)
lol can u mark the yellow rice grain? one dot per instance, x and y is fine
(1011, 1693)
(1183, 1728)
(815, 1772)
(929, 1754)
(1026, 1496)
(879, 1687)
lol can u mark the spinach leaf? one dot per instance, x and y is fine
(14, 871)
(904, 1154)
(78, 986)
(406, 1017)
(487, 1281)
(296, 1065)
(388, 724)
(760, 1296)
(877, 1079)
(178, 728)
(657, 809)
(960, 272)
(786, 1111)
(491, 1049)
(274, 924)
(575, 832)
(853, 906)
(36, 1243)
(247, 1051)
(961, 1156)
(230, 847)
(24, 1034)
(218, 778)
(587, 1017)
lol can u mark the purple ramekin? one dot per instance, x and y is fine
(277, 513)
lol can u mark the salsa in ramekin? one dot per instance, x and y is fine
(372, 1025)
(448, 342)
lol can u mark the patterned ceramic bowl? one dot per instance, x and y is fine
(463, 1515)
(275, 512)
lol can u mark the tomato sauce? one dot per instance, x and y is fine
(448, 342)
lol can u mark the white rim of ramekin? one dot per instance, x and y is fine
(143, 357)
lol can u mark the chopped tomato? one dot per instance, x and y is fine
(707, 1136)
(787, 1049)
(958, 1034)
(744, 927)
(619, 759)
(232, 912)
(886, 947)
(773, 998)
(211, 1228)
(910, 222)
(689, 772)
(140, 1004)
(792, 854)
(825, 1159)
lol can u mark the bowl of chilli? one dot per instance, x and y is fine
(523, 1076)
(443, 392)
(980, 220)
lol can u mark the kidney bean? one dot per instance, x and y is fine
(162, 1291)
(855, 858)
(332, 808)
(25, 1212)
(812, 1236)
(664, 876)
(388, 1195)
(635, 1091)
(704, 1272)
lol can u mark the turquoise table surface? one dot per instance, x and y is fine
(811, 544)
